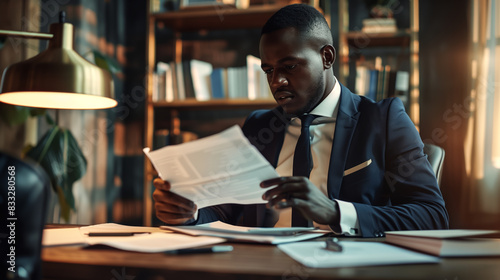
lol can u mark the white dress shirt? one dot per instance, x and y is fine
(322, 130)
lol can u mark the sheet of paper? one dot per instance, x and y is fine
(247, 234)
(113, 227)
(157, 241)
(222, 168)
(314, 254)
(277, 230)
(62, 236)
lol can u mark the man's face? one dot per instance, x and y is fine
(294, 70)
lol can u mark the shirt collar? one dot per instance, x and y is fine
(329, 106)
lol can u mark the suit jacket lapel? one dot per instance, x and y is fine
(347, 119)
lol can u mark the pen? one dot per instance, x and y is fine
(94, 234)
(214, 249)
(333, 245)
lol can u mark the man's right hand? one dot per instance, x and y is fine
(171, 208)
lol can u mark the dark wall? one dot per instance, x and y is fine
(445, 30)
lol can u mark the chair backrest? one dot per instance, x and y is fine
(435, 155)
(24, 191)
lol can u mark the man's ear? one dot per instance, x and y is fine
(328, 53)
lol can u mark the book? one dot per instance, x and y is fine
(173, 91)
(169, 84)
(237, 81)
(379, 22)
(218, 83)
(179, 74)
(200, 76)
(372, 84)
(379, 25)
(402, 85)
(155, 95)
(188, 81)
(362, 80)
(257, 80)
(253, 65)
(383, 82)
(379, 29)
(448, 243)
(160, 81)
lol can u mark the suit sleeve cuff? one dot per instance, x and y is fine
(349, 224)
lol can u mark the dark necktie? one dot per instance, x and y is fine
(302, 163)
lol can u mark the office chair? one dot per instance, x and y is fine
(24, 194)
(435, 155)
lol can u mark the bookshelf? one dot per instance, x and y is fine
(192, 20)
(403, 42)
(203, 20)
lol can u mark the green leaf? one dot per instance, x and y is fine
(65, 208)
(16, 115)
(61, 157)
(37, 111)
(106, 62)
(49, 120)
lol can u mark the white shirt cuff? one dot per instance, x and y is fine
(349, 224)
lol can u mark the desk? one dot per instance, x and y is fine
(247, 261)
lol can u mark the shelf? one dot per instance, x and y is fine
(226, 104)
(360, 39)
(216, 18)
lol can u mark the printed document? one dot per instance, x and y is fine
(250, 234)
(354, 253)
(218, 169)
(149, 239)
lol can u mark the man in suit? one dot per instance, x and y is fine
(366, 172)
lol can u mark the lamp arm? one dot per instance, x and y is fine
(24, 34)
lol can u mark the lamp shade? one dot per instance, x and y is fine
(58, 78)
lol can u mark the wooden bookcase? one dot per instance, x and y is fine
(406, 38)
(200, 20)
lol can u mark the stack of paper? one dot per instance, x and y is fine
(155, 240)
(249, 234)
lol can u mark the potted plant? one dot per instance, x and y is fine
(57, 152)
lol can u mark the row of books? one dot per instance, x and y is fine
(379, 25)
(380, 81)
(195, 79)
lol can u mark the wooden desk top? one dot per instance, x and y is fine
(247, 261)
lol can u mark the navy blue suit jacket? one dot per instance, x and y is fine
(397, 191)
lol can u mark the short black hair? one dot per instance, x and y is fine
(302, 17)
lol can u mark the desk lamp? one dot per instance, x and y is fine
(57, 78)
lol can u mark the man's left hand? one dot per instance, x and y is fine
(301, 194)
